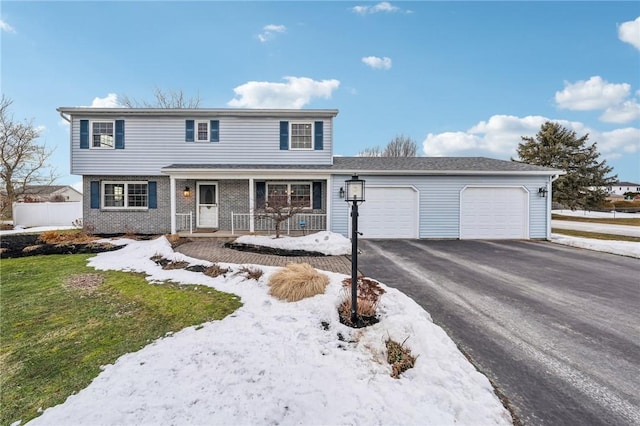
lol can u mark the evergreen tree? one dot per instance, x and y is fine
(558, 147)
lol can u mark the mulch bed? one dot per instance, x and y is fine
(271, 250)
(29, 245)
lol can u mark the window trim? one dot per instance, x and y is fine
(288, 184)
(196, 133)
(126, 183)
(313, 136)
(91, 134)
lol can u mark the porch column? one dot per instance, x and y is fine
(172, 190)
(252, 203)
(329, 204)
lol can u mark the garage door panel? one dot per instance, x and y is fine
(494, 213)
(389, 213)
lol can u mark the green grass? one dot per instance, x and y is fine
(595, 235)
(633, 221)
(55, 337)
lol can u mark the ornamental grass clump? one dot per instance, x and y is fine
(215, 270)
(251, 273)
(297, 281)
(399, 357)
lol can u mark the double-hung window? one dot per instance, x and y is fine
(102, 134)
(294, 194)
(202, 131)
(301, 135)
(125, 195)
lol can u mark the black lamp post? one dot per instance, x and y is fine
(355, 195)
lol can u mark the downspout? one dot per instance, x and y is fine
(552, 179)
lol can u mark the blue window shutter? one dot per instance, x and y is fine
(189, 131)
(84, 134)
(317, 195)
(318, 137)
(95, 194)
(214, 131)
(261, 189)
(153, 195)
(284, 135)
(119, 134)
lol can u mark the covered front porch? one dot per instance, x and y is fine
(225, 203)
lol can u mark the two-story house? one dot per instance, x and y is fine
(168, 170)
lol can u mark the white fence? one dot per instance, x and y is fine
(300, 222)
(46, 214)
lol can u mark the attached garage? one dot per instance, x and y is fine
(494, 213)
(389, 212)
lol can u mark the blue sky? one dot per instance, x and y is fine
(460, 78)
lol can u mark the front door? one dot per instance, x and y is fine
(207, 205)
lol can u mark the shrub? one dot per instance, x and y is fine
(215, 271)
(297, 281)
(399, 357)
(251, 273)
(369, 293)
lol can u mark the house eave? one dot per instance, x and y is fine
(198, 112)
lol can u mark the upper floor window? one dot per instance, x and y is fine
(301, 136)
(202, 131)
(102, 135)
(125, 195)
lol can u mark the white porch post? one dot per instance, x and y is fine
(329, 196)
(172, 186)
(252, 203)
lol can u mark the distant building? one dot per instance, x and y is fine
(621, 188)
(51, 193)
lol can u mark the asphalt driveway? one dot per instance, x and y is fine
(557, 329)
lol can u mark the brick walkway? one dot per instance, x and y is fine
(211, 249)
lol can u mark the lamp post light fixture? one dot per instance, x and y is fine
(355, 195)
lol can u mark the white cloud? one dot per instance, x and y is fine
(629, 32)
(295, 93)
(592, 94)
(622, 113)
(377, 63)
(269, 31)
(110, 101)
(499, 137)
(380, 7)
(6, 27)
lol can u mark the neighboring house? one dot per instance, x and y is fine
(52, 193)
(148, 170)
(621, 188)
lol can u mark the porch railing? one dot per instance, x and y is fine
(300, 222)
(184, 221)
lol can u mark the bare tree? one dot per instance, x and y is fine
(400, 146)
(162, 99)
(24, 161)
(279, 207)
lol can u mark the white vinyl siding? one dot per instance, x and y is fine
(154, 143)
(439, 201)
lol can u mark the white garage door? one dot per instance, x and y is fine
(494, 213)
(389, 213)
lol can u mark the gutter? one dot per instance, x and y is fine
(64, 117)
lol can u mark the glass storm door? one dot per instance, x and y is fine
(207, 205)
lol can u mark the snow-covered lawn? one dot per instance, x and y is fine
(623, 248)
(273, 362)
(598, 215)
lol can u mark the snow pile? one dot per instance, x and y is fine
(19, 229)
(273, 362)
(324, 242)
(623, 248)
